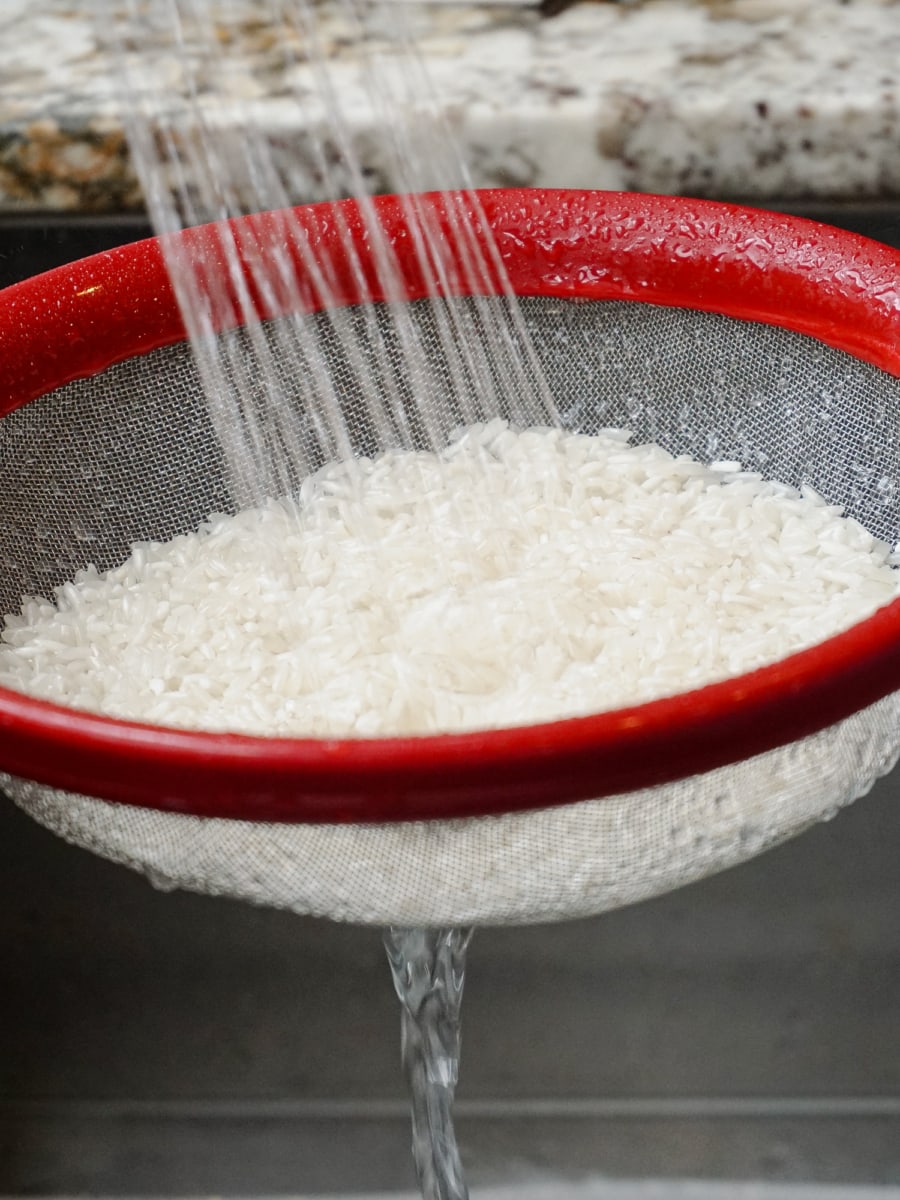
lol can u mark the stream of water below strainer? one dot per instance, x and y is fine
(428, 967)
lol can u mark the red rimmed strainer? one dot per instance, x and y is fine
(715, 331)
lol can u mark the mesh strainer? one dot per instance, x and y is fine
(714, 330)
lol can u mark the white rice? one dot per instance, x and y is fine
(513, 578)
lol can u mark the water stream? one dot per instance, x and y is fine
(287, 396)
(428, 967)
(280, 404)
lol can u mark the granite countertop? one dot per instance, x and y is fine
(739, 98)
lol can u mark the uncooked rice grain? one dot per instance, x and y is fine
(515, 577)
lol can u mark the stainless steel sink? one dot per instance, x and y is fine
(168, 1044)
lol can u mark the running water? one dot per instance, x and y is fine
(290, 395)
(428, 966)
(323, 381)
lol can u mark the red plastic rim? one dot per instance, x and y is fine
(754, 265)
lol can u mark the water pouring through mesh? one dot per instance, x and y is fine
(428, 968)
(199, 165)
(485, 365)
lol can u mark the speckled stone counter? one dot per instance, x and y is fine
(736, 98)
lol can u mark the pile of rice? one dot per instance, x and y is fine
(514, 577)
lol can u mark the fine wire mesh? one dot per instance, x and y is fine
(552, 864)
(130, 454)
